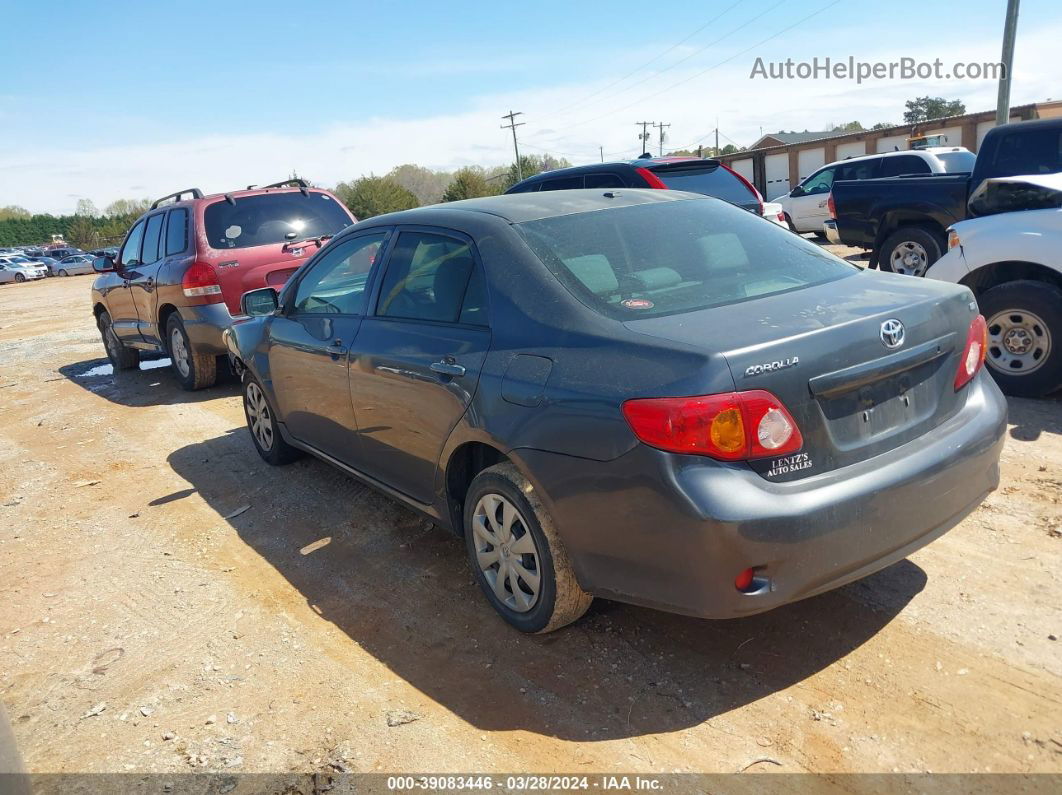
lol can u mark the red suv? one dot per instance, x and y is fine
(178, 278)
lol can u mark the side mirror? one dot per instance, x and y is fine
(103, 264)
(797, 191)
(259, 302)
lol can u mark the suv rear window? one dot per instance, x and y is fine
(711, 180)
(272, 218)
(1029, 152)
(660, 259)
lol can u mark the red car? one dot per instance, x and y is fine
(177, 281)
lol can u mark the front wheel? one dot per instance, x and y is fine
(262, 423)
(121, 357)
(517, 556)
(63, 273)
(193, 370)
(909, 251)
(19, 278)
(1024, 337)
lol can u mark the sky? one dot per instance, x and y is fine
(141, 99)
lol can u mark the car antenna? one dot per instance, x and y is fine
(229, 199)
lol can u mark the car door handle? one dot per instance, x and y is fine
(448, 368)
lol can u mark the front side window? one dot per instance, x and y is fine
(152, 235)
(659, 259)
(336, 283)
(131, 249)
(819, 183)
(427, 277)
(271, 218)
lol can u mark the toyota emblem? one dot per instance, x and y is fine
(892, 333)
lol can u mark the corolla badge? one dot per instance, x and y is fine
(892, 333)
(770, 367)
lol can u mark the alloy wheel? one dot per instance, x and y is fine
(1019, 342)
(909, 258)
(179, 353)
(506, 553)
(258, 417)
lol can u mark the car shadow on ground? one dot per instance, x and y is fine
(401, 589)
(153, 384)
(1030, 418)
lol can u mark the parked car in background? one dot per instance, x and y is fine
(109, 251)
(772, 211)
(644, 395)
(902, 220)
(47, 262)
(73, 266)
(178, 277)
(695, 174)
(63, 251)
(805, 206)
(1011, 257)
(18, 269)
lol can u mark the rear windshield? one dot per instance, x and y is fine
(956, 162)
(1029, 152)
(659, 259)
(273, 218)
(711, 181)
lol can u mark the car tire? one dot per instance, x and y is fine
(192, 370)
(262, 425)
(516, 552)
(19, 278)
(120, 357)
(63, 273)
(790, 224)
(910, 251)
(1024, 352)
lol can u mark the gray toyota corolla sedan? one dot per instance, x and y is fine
(650, 396)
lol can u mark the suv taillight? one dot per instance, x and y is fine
(831, 206)
(973, 355)
(200, 282)
(651, 179)
(733, 426)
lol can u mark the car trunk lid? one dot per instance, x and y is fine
(825, 352)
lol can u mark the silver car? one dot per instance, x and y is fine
(20, 269)
(73, 265)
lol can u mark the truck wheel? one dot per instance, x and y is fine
(910, 251)
(193, 370)
(517, 556)
(262, 423)
(1024, 337)
(121, 357)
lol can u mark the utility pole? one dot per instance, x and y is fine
(717, 136)
(661, 125)
(601, 149)
(1010, 28)
(644, 137)
(512, 125)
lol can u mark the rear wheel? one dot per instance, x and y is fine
(193, 370)
(1024, 337)
(121, 357)
(262, 423)
(517, 557)
(909, 251)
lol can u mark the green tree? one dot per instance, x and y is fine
(883, 125)
(13, 211)
(529, 166)
(427, 185)
(927, 108)
(369, 196)
(83, 233)
(123, 207)
(852, 126)
(467, 183)
(86, 209)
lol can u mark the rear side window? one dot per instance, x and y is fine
(903, 164)
(957, 162)
(1033, 152)
(660, 259)
(562, 183)
(152, 236)
(860, 169)
(177, 232)
(270, 218)
(711, 180)
(603, 181)
(427, 277)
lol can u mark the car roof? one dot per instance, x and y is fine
(517, 208)
(641, 162)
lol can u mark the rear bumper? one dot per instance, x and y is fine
(205, 325)
(672, 532)
(829, 228)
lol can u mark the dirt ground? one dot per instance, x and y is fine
(170, 603)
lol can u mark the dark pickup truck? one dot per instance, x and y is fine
(902, 220)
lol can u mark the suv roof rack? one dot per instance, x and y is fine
(196, 194)
(294, 182)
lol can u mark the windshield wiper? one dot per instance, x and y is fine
(319, 241)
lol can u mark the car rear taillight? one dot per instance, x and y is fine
(973, 355)
(651, 179)
(831, 206)
(201, 283)
(747, 184)
(734, 426)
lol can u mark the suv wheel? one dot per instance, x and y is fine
(262, 423)
(193, 370)
(909, 251)
(516, 554)
(1024, 337)
(120, 357)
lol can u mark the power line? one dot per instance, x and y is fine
(654, 59)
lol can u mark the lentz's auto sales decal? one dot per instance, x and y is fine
(789, 464)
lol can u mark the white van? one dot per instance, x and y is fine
(805, 206)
